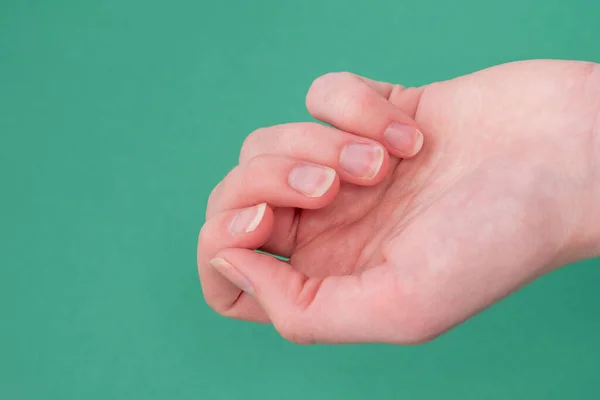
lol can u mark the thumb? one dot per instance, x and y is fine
(336, 309)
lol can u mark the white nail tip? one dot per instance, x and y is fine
(260, 213)
(377, 164)
(418, 143)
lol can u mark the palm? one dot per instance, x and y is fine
(495, 197)
(472, 204)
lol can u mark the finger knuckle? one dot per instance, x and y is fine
(212, 199)
(362, 100)
(321, 86)
(254, 166)
(209, 243)
(335, 76)
(252, 142)
(248, 179)
(204, 237)
(221, 189)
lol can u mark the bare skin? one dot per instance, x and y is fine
(501, 190)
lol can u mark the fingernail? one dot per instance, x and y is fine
(232, 274)
(311, 180)
(404, 138)
(247, 220)
(362, 160)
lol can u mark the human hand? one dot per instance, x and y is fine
(502, 191)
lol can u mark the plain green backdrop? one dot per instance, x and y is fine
(116, 120)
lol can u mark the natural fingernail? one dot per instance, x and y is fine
(232, 274)
(311, 180)
(405, 138)
(362, 160)
(247, 220)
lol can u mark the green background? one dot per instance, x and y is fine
(116, 120)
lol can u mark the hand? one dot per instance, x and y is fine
(503, 190)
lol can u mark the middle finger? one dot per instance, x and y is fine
(356, 159)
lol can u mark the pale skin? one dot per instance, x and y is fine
(403, 235)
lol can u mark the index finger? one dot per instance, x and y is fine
(362, 106)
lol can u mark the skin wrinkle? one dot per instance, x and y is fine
(344, 269)
(230, 306)
(293, 238)
(418, 194)
(359, 217)
(407, 219)
(364, 260)
(309, 292)
(365, 255)
(408, 209)
(501, 182)
(413, 209)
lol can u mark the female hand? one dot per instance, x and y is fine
(401, 248)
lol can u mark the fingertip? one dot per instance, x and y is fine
(403, 140)
(317, 183)
(263, 220)
(364, 164)
(250, 219)
(380, 172)
(248, 227)
(320, 86)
